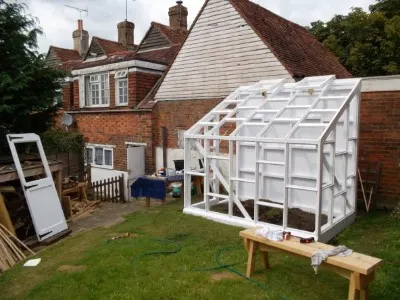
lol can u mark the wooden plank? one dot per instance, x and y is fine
(4, 215)
(30, 171)
(251, 258)
(66, 205)
(17, 239)
(122, 189)
(356, 262)
(108, 194)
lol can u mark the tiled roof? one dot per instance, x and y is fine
(297, 49)
(163, 56)
(174, 35)
(65, 55)
(111, 46)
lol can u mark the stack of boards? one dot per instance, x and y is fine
(10, 249)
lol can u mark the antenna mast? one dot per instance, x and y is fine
(80, 10)
(126, 9)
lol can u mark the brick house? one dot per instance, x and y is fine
(107, 80)
(175, 76)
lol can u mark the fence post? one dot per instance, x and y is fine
(121, 189)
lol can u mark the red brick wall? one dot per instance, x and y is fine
(116, 129)
(178, 115)
(67, 95)
(380, 139)
(140, 85)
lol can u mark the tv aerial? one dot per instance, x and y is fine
(80, 10)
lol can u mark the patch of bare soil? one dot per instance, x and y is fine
(223, 276)
(296, 217)
(71, 269)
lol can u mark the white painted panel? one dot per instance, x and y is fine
(136, 161)
(221, 53)
(40, 194)
(381, 84)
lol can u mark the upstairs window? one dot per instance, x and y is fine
(97, 87)
(121, 87)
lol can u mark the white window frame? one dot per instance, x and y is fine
(104, 149)
(59, 98)
(121, 76)
(94, 84)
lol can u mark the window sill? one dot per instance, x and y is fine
(102, 167)
(96, 106)
(121, 105)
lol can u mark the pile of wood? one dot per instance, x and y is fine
(10, 249)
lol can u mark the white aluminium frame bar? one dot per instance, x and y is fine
(236, 177)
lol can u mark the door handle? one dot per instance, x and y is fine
(43, 235)
(29, 187)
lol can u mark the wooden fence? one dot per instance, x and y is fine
(108, 190)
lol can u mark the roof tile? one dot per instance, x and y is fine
(296, 48)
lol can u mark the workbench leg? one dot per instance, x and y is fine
(246, 244)
(365, 280)
(364, 294)
(265, 260)
(57, 182)
(251, 257)
(353, 287)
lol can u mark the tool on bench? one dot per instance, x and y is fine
(306, 240)
(286, 235)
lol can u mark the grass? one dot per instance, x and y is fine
(118, 269)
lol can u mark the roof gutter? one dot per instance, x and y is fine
(120, 65)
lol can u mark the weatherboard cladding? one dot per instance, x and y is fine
(221, 53)
(52, 60)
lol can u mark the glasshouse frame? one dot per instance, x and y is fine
(280, 145)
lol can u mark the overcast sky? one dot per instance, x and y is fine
(58, 21)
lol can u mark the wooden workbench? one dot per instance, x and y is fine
(358, 268)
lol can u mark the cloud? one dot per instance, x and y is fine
(58, 22)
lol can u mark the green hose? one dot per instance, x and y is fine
(166, 241)
(218, 254)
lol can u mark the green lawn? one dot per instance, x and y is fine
(110, 271)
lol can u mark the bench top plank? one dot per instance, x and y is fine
(356, 262)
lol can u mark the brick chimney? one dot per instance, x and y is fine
(178, 16)
(81, 39)
(126, 33)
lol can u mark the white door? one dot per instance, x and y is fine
(136, 162)
(41, 195)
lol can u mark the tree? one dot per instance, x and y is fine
(367, 43)
(27, 87)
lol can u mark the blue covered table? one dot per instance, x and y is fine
(154, 187)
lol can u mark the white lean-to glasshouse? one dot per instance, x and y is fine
(279, 154)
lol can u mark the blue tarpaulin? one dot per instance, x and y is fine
(145, 187)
